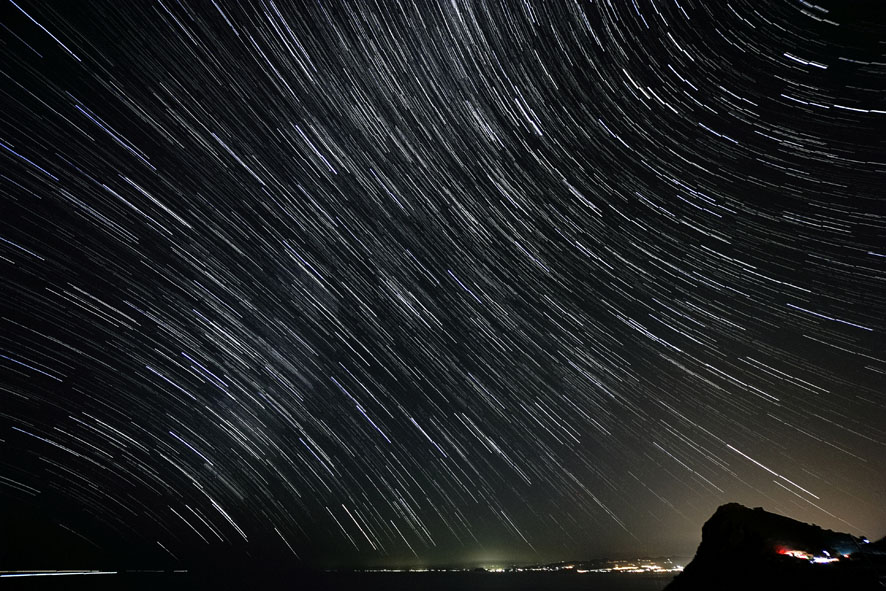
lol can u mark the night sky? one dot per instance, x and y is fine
(376, 283)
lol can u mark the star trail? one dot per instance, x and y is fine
(425, 282)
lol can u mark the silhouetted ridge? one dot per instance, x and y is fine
(744, 548)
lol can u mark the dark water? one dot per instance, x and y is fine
(496, 581)
(258, 580)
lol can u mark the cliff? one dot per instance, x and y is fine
(744, 548)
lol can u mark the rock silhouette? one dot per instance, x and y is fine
(744, 548)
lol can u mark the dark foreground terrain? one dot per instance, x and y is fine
(752, 549)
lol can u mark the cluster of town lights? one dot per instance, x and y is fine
(825, 558)
(612, 566)
(615, 566)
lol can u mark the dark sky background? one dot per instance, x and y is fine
(420, 283)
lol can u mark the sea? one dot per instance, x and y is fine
(357, 581)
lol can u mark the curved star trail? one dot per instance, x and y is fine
(385, 282)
